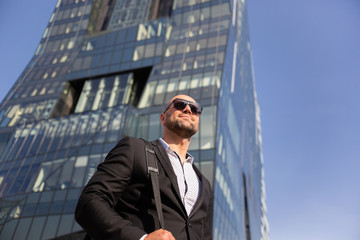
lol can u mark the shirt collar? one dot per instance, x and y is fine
(189, 157)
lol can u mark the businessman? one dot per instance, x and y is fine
(118, 202)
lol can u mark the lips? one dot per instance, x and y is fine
(186, 116)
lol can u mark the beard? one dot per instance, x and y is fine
(180, 129)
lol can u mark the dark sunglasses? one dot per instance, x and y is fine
(180, 104)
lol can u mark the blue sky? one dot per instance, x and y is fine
(306, 57)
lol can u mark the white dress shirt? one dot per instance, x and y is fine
(187, 179)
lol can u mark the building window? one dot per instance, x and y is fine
(101, 93)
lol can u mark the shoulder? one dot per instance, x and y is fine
(204, 181)
(136, 146)
(126, 146)
(130, 141)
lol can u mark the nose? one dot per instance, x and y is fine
(187, 109)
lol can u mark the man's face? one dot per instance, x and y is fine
(182, 122)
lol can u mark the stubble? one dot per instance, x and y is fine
(178, 127)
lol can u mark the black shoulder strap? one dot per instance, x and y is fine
(154, 173)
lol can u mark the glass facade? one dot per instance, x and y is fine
(104, 70)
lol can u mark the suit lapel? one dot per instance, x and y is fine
(202, 191)
(166, 165)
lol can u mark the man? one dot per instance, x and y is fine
(118, 202)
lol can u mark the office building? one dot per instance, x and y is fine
(104, 70)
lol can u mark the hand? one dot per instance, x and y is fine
(160, 234)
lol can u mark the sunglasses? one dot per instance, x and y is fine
(180, 104)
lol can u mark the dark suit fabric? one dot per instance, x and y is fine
(118, 201)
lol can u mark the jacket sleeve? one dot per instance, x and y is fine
(95, 209)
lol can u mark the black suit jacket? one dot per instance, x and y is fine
(118, 201)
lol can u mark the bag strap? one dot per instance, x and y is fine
(153, 170)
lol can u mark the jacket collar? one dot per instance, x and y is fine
(165, 163)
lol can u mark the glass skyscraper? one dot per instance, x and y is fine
(105, 69)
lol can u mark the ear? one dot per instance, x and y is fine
(162, 118)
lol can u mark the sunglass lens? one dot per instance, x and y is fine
(179, 105)
(194, 109)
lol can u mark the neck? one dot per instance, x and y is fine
(177, 144)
